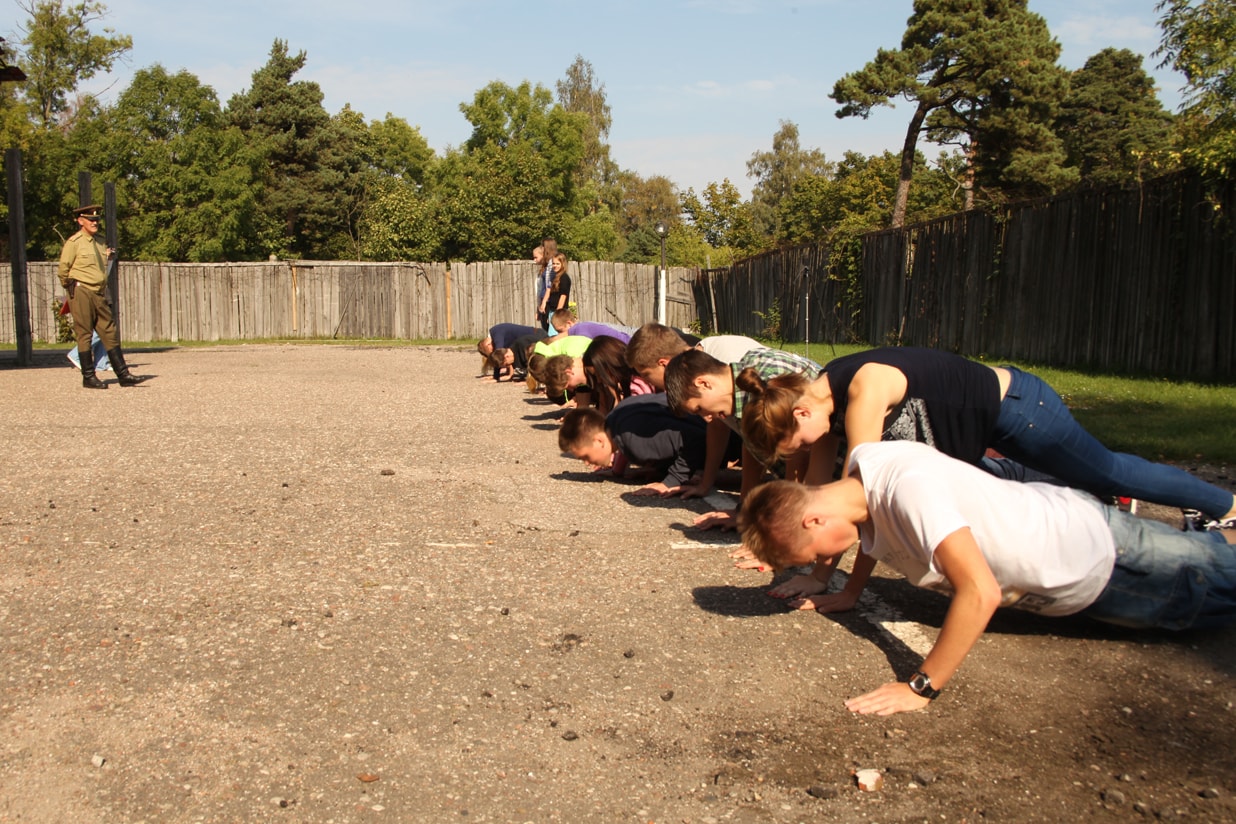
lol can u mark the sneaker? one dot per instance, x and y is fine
(1194, 520)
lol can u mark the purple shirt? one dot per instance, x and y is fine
(588, 329)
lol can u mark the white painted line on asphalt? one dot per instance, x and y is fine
(888, 620)
(703, 544)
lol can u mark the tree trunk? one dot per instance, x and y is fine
(907, 166)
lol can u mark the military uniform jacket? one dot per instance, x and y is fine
(84, 259)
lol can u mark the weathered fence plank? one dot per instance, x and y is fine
(318, 299)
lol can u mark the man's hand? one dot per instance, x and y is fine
(798, 586)
(727, 520)
(70, 286)
(654, 488)
(693, 489)
(888, 699)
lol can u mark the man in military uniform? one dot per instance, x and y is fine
(83, 274)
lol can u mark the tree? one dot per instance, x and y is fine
(491, 203)
(303, 210)
(578, 92)
(1199, 40)
(722, 218)
(1111, 121)
(645, 201)
(401, 223)
(400, 151)
(858, 196)
(775, 174)
(982, 74)
(61, 51)
(184, 181)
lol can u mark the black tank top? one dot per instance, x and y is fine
(951, 402)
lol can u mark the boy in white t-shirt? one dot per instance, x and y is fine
(950, 526)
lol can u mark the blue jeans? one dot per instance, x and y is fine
(102, 362)
(1035, 428)
(1166, 578)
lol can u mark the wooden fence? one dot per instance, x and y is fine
(315, 299)
(1128, 280)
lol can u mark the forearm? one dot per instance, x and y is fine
(716, 436)
(976, 596)
(860, 573)
(823, 461)
(966, 621)
(752, 472)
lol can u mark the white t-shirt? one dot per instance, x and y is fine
(729, 348)
(1048, 546)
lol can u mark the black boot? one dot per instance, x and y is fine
(121, 369)
(89, 381)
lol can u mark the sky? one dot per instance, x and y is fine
(695, 87)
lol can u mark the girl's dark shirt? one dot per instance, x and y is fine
(951, 402)
(564, 288)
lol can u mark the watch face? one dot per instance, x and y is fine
(918, 682)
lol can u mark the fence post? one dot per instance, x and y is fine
(17, 254)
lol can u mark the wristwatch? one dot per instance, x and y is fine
(920, 683)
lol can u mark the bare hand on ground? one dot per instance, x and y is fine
(888, 699)
(655, 488)
(693, 490)
(726, 519)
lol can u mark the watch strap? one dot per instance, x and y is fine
(920, 683)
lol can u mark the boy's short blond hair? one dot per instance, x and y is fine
(580, 426)
(650, 343)
(563, 320)
(770, 518)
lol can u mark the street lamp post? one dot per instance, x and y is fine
(662, 230)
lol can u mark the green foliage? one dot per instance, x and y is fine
(64, 323)
(579, 93)
(184, 180)
(983, 75)
(400, 224)
(858, 196)
(400, 151)
(503, 117)
(775, 174)
(644, 203)
(302, 212)
(722, 218)
(594, 236)
(771, 318)
(1199, 40)
(493, 205)
(1111, 121)
(61, 51)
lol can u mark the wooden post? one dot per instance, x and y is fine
(110, 235)
(449, 324)
(292, 266)
(17, 254)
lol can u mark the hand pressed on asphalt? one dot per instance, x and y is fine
(888, 699)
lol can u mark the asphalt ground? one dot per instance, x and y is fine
(351, 583)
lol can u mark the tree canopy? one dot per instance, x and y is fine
(982, 74)
(272, 172)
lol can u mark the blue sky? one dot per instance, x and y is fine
(695, 86)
